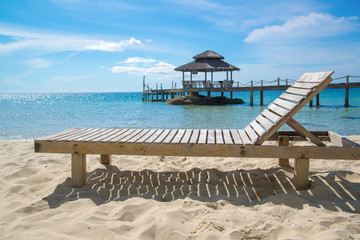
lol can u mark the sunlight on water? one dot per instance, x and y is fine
(28, 116)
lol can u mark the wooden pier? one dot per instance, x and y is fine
(161, 95)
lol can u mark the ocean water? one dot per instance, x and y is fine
(31, 115)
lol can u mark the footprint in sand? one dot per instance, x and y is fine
(127, 217)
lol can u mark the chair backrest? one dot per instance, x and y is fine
(287, 105)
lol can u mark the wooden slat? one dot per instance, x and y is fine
(292, 97)
(265, 122)
(244, 138)
(99, 134)
(134, 133)
(179, 135)
(219, 136)
(87, 134)
(299, 91)
(315, 77)
(154, 136)
(122, 135)
(202, 137)
(162, 136)
(95, 135)
(106, 134)
(272, 116)
(258, 129)
(278, 110)
(251, 133)
(170, 136)
(59, 134)
(114, 135)
(83, 135)
(194, 136)
(227, 136)
(236, 136)
(187, 136)
(138, 136)
(146, 136)
(285, 104)
(75, 134)
(211, 136)
(305, 85)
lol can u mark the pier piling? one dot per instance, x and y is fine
(252, 94)
(318, 100)
(347, 92)
(262, 94)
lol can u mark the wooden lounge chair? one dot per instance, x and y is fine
(247, 142)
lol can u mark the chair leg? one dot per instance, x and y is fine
(283, 141)
(301, 173)
(78, 170)
(105, 159)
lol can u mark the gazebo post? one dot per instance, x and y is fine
(191, 79)
(183, 78)
(231, 84)
(205, 76)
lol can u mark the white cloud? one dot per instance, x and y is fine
(39, 63)
(135, 60)
(304, 44)
(113, 46)
(314, 25)
(242, 16)
(146, 66)
(53, 42)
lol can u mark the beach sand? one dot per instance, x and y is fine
(141, 197)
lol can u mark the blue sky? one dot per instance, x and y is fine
(100, 46)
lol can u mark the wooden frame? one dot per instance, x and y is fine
(345, 149)
(248, 142)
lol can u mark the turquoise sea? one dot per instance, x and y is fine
(32, 115)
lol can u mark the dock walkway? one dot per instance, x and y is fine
(161, 95)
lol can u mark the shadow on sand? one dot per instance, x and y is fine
(330, 190)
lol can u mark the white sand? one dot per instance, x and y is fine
(142, 197)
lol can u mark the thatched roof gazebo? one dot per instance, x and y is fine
(207, 61)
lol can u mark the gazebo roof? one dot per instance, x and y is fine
(208, 54)
(207, 61)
